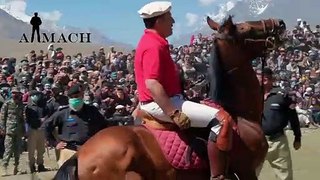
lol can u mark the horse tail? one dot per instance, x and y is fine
(69, 170)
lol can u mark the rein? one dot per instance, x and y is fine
(263, 58)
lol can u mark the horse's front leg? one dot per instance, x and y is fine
(249, 150)
(253, 138)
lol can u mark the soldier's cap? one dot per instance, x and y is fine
(154, 9)
(15, 90)
(24, 61)
(75, 89)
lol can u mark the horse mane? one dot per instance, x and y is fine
(217, 89)
(215, 77)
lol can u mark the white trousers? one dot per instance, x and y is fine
(199, 114)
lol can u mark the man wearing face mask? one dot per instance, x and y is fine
(35, 113)
(76, 124)
(25, 71)
(13, 129)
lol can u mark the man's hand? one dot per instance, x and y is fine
(180, 119)
(296, 145)
(61, 145)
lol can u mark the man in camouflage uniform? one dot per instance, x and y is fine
(12, 127)
(4, 95)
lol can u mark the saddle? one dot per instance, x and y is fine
(181, 151)
(152, 122)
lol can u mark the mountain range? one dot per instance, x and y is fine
(12, 29)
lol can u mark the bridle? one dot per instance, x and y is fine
(272, 35)
(269, 41)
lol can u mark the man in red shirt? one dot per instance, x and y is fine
(159, 89)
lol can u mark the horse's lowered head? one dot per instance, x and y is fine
(251, 38)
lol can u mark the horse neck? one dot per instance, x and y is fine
(244, 93)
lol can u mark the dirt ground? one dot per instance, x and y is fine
(306, 161)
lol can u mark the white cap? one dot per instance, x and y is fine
(154, 9)
(119, 107)
(299, 19)
(309, 89)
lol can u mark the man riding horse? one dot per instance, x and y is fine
(160, 92)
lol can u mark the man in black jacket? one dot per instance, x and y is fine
(76, 124)
(57, 100)
(279, 110)
(35, 22)
(35, 113)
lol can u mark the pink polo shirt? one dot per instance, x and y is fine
(153, 61)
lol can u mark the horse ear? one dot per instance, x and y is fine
(229, 26)
(213, 25)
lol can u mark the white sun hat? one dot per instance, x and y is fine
(154, 9)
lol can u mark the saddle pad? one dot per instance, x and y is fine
(177, 151)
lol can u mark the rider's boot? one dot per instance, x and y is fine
(218, 161)
(219, 143)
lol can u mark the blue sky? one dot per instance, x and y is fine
(118, 19)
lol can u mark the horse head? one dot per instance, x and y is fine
(232, 78)
(247, 40)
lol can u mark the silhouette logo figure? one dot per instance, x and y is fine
(35, 22)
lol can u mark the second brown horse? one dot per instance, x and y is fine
(132, 152)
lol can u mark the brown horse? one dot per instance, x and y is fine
(132, 152)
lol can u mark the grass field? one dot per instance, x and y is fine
(306, 161)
